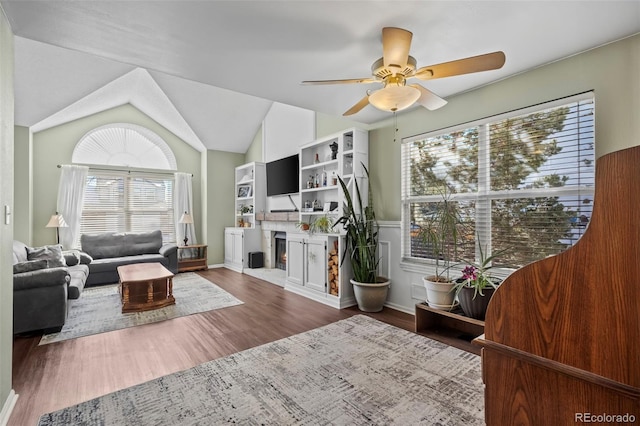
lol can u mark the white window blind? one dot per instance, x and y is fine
(118, 201)
(522, 181)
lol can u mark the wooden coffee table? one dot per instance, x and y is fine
(145, 286)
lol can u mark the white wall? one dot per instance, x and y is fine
(284, 130)
(7, 396)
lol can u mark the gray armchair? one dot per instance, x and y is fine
(41, 292)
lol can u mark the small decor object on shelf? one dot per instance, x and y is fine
(334, 150)
(244, 191)
(317, 159)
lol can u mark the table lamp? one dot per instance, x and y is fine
(57, 221)
(186, 219)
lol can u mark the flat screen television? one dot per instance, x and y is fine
(283, 176)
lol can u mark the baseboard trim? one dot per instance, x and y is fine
(400, 308)
(7, 408)
(217, 265)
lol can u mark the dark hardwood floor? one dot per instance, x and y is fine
(54, 376)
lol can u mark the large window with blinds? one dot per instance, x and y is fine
(118, 201)
(522, 182)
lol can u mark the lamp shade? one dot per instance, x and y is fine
(186, 218)
(394, 98)
(56, 221)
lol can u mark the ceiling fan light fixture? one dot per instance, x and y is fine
(394, 98)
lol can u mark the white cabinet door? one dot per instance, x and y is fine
(295, 260)
(228, 246)
(234, 249)
(316, 265)
(238, 247)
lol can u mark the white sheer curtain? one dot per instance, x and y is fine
(73, 181)
(183, 202)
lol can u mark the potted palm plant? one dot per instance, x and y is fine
(475, 288)
(441, 234)
(361, 248)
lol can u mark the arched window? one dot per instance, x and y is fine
(126, 145)
(124, 198)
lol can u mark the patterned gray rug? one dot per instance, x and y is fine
(357, 371)
(99, 310)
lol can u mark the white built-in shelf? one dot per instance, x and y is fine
(319, 165)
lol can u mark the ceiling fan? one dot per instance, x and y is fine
(396, 66)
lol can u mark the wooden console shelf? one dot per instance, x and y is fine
(452, 328)
(192, 258)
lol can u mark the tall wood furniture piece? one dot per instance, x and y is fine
(250, 198)
(562, 335)
(145, 286)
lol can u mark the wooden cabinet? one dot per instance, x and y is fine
(238, 242)
(307, 262)
(312, 264)
(233, 248)
(192, 258)
(452, 328)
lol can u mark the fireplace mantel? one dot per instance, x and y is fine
(278, 216)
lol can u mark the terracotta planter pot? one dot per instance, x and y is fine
(475, 308)
(371, 296)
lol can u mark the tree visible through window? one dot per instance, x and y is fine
(522, 182)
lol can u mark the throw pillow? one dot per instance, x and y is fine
(29, 265)
(53, 254)
(71, 257)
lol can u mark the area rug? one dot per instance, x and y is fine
(99, 309)
(357, 371)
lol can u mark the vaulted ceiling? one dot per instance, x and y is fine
(210, 70)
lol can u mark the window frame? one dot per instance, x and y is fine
(483, 197)
(129, 208)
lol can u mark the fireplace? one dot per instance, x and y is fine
(280, 239)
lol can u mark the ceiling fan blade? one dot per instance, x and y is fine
(395, 46)
(357, 107)
(486, 62)
(346, 81)
(428, 99)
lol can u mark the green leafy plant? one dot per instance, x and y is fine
(475, 275)
(321, 224)
(442, 231)
(361, 229)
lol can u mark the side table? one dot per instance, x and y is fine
(192, 257)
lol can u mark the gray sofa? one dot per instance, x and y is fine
(44, 279)
(110, 250)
